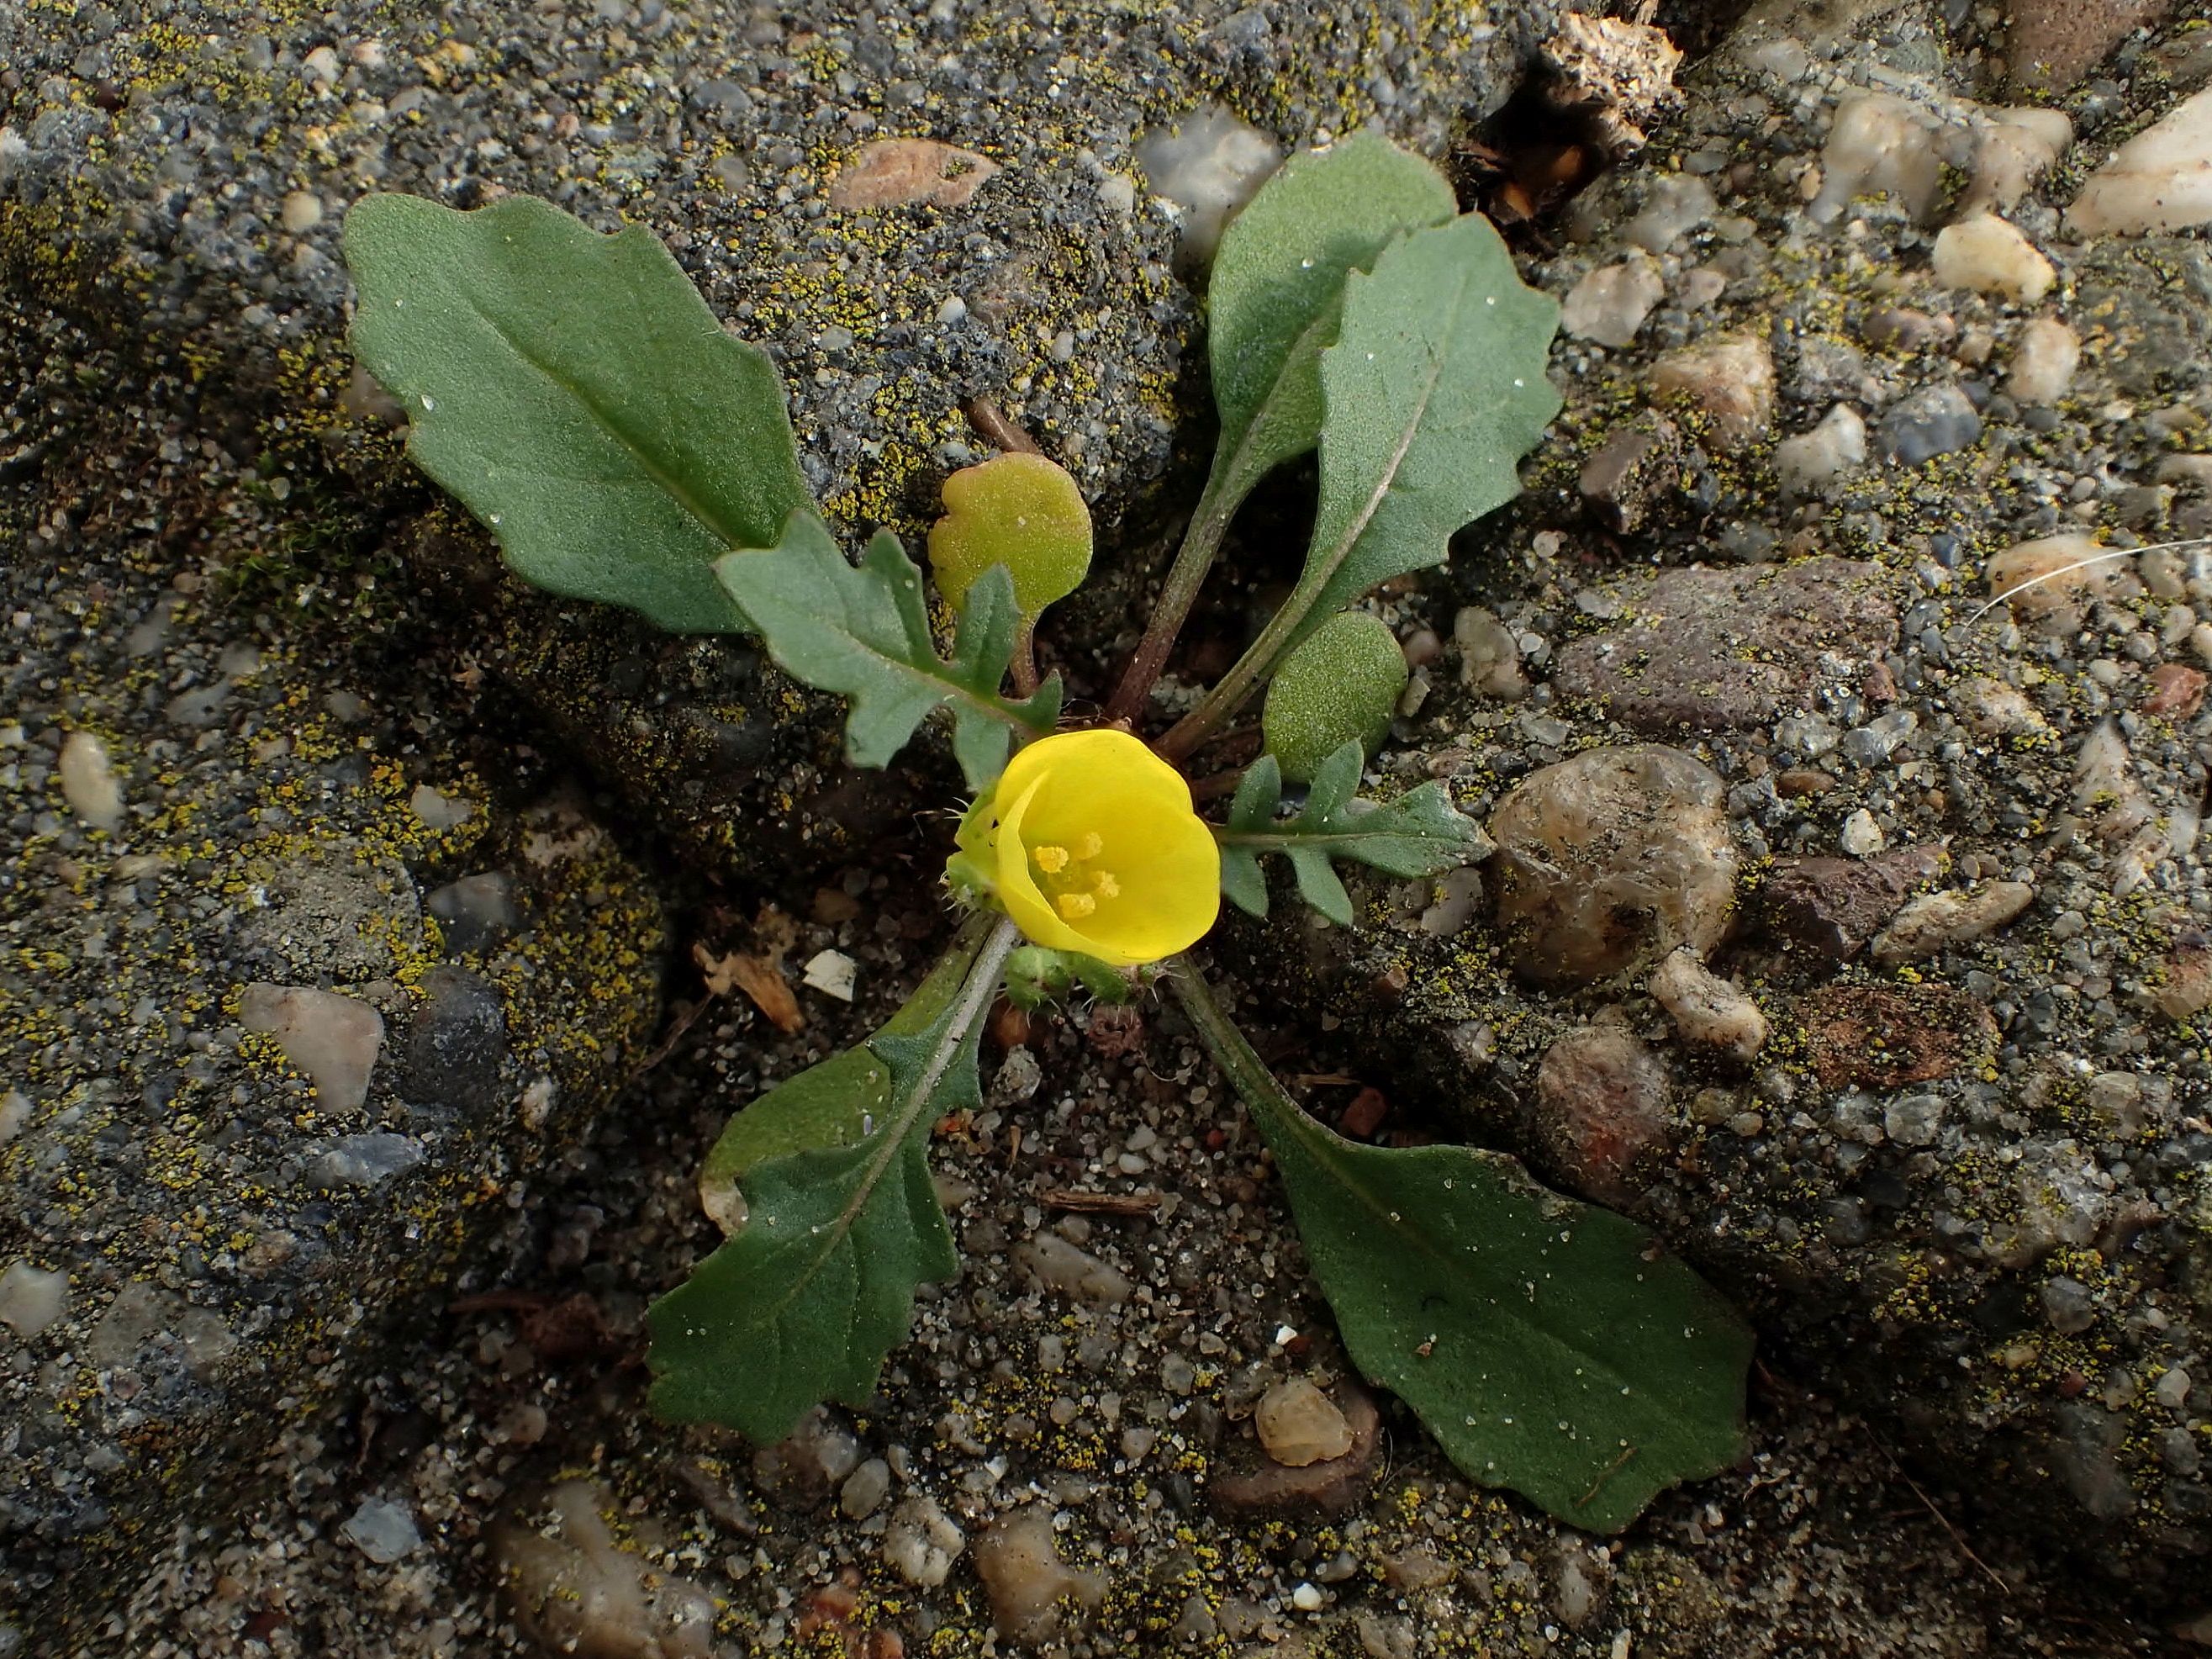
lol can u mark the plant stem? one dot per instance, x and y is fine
(1273, 1110)
(1022, 665)
(993, 423)
(1229, 692)
(1208, 524)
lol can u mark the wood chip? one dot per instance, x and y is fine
(760, 978)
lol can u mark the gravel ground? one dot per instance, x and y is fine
(1936, 1123)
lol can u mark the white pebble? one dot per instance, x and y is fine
(1930, 923)
(89, 781)
(1610, 304)
(1812, 459)
(302, 211)
(334, 1038)
(833, 973)
(1862, 837)
(1706, 1008)
(2159, 180)
(382, 1530)
(2043, 363)
(31, 1298)
(1986, 255)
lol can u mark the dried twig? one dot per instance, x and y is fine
(1083, 1203)
(993, 423)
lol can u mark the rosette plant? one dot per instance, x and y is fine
(575, 392)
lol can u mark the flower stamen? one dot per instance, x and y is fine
(1050, 859)
(1105, 886)
(1074, 906)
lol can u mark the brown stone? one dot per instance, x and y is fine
(896, 172)
(1884, 1037)
(1602, 1106)
(1717, 650)
(1833, 906)
(2176, 691)
(1630, 478)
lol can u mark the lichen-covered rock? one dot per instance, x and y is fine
(1707, 649)
(185, 179)
(259, 1098)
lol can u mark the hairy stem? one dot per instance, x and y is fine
(1022, 665)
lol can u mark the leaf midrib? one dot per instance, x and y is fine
(893, 1135)
(708, 521)
(1311, 1135)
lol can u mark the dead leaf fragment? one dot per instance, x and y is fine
(760, 978)
(897, 171)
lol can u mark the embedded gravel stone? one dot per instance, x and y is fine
(1601, 1108)
(1708, 650)
(1611, 858)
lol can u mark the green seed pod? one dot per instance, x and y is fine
(1341, 685)
(1022, 512)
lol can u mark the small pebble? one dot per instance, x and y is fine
(1706, 1008)
(382, 1530)
(1985, 254)
(1862, 837)
(1931, 924)
(89, 781)
(1299, 1425)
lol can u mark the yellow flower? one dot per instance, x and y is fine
(1088, 840)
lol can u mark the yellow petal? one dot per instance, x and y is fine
(1157, 883)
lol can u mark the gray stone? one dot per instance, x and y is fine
(1932, 421)
(456, 1043)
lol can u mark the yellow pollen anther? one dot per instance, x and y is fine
(1074, 906)
(1106, 885)
(1090, 846)
(1051, 859)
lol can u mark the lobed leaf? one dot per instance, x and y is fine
(1550, 1346)
(1420, 833)
(576, 394)
(804, 1303)
(1435, 389)
(1277, 287)
(863, 631)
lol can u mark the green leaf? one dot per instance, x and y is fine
(575, 392)
(1420, 833)
(837, 1103)
(1278, 285)
(1022, 511)
(804, 1303)
(1435, 390)
(863, 632)
(1550, 1346)
(1341, 684)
